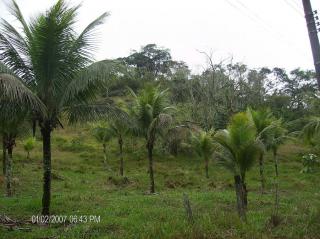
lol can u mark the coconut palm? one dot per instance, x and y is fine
(239, 150)
(52, 60)
(262, 119)
(204, 146)
(103, 135)
(151, 113)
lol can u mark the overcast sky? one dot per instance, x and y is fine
(256, 32)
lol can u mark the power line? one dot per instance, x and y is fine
(294, 7)
(261, 22)
(298, 4)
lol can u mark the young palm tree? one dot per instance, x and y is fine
(239, 150)
(204, 146)
(276, 137)
(119, 128)
(151, 112)
(262, 119)
(103, 135)
(54, 62)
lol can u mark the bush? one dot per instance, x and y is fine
(309, 162)
(29, 145)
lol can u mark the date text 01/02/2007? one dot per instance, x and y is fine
(60, 219)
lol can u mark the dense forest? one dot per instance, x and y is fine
(143, 147)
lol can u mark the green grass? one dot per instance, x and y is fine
(82, 186)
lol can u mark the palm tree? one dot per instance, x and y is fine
(150, 112)
(204, 146)
(276, 137)
(103, 135)
(262, 119)
(119, 128)
(54, 62)
(16, 104)
(239, 150)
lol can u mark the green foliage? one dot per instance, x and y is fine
(151, 62)
(239, 145)
(83, 183)
(54, 62)
(102, 134)
(29, 144)
(203, 143)
(311, 131)
(276, 135)
(150, 111)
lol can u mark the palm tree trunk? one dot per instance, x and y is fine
(207, 167)
(150, 149)
(239, 194)
(4, 155)
(121, 155)
(28, 154)
(104, 155)
(46, 137)
(275, 158)
(9, 191)
(262, 179)
(245, 195)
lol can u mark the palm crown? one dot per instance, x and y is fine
(52, 60)
(239, 144)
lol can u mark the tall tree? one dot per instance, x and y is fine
(151, 112)
(151, 61)
(53, 61)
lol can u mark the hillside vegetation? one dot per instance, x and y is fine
(82, 186)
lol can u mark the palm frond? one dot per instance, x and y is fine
(90, 112)
(85, 44)
(15, 11)
(102, 134)
(89, 82)
(14, 91)
(311, 129)
(12, 57)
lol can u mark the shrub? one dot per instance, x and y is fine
(309, 162)
(29, 145)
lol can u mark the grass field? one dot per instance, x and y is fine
(83, 186)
